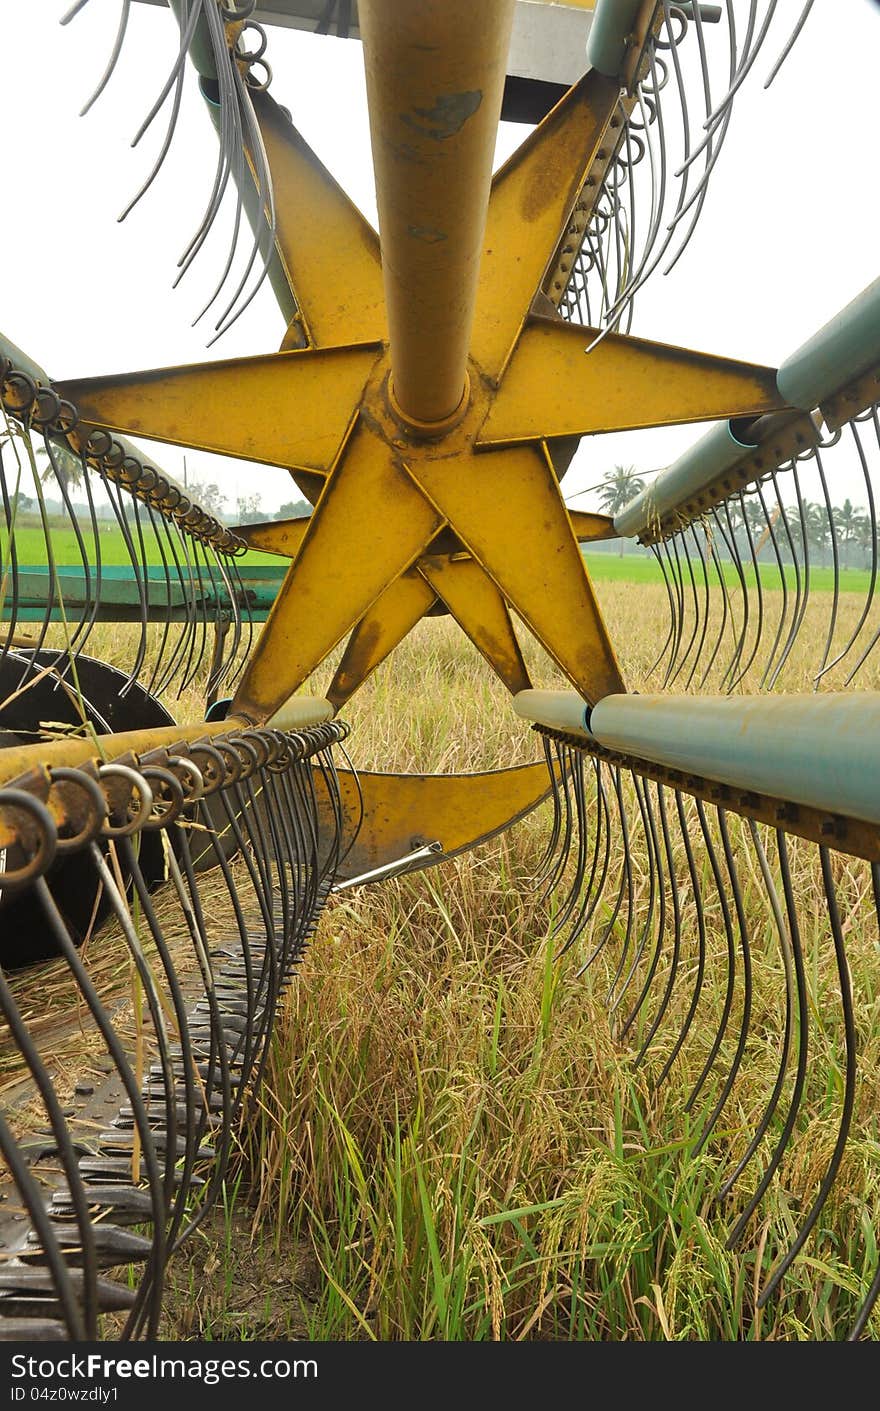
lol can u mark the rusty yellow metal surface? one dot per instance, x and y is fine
(435, 78)
(531, 201)
(509, 513)
(368, 527)
(18, 759)
(287, 409)
(379, 631)
(554, 387)
(310, 482)
(588, 526)
(401, 811)
(480, 611)
(333, 237)
(275, 536)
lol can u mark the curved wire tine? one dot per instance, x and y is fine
(118, 42)
(592, 891)
(705, 610)
(749, 55)
(192, 1133)
(795, 614)
(567, 828)
(93, 586)
(247, 617)
(546, 861)
(267, 210)
(699, 977)
(849, 1031)
(802, 594)
(655, 885)
(835, 561)
(188, 20)
(66, 1152)
(143, 597)
(786, 954)
(628, 889)
(803, 1029)
(769, 521)
(162, 154)
(625, 875)
(114, 886)
(61, 482)
(33, 1199)
(731, 959)
(698, 617)
(864, 1312)
(166, 615)
(670, 636)
(729, 537)
(172, 532)
(676, 934)
(661, 912)
(789, 44)
(9, 559)
(726, 610)
(149, 1153)
(580, 817)
(53, 593)
(759, 595)
(872, 538)
(745, 947)
(679, 612)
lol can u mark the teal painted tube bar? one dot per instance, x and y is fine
(613, 21)
(560, 710)
(822, 751)
(847, 346)
(701, 464)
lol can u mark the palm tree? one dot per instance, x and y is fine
(64, 467)
(846, 519)
(618, 487)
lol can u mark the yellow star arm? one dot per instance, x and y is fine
(328, 250)
(509, 513)
(369, 526)
(554, 387)
(589, 527)
(275, 536)
(480, 612)
(532, 198)
(379, 631)
(287, 409)
(461, 810)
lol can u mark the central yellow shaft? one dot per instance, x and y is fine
(435, 78)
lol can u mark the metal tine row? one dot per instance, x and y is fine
(665, 889)
(238, 816)
(654, 190)
(198, 584)
(234, 69)
(741, 581)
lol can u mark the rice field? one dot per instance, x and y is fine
(452, 1142)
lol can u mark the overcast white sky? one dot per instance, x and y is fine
(788, 236)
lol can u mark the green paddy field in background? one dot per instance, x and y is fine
(634, 566)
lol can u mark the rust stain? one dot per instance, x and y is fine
(447, 117)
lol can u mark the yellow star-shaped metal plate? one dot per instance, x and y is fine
(472, 518)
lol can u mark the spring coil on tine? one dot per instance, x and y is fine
(144, 796)
(41, 406)
(40, 832)
(97, 808)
